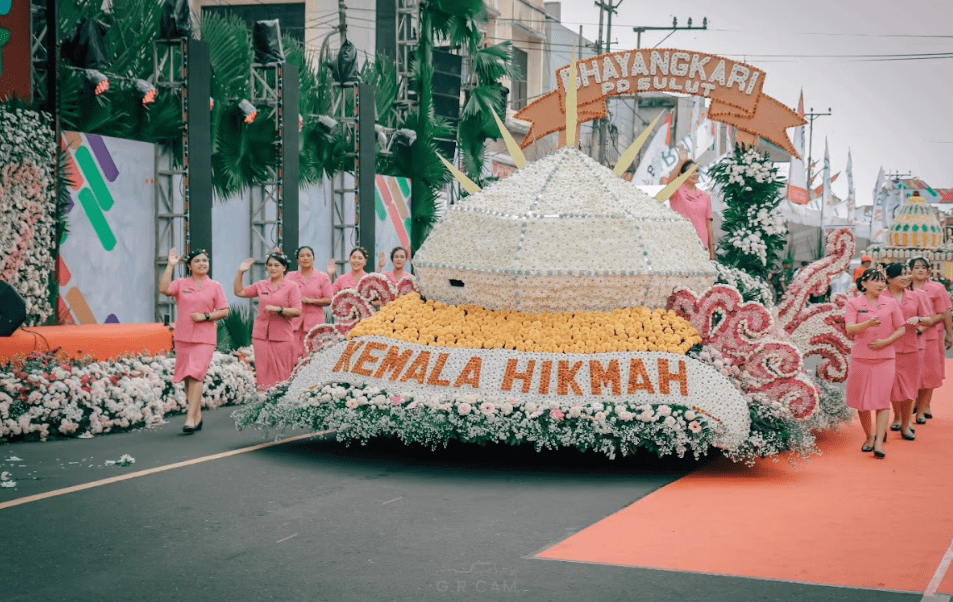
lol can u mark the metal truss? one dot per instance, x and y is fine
(267, 199)
(408, 32)
(171, 190)
(345, 226)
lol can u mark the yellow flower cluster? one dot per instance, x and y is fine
(437, 324)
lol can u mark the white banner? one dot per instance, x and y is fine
(631, 378)
(653, 167)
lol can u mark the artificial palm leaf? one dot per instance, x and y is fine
(234, 331)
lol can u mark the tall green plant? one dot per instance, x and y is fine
(754, 228)
(234, 331)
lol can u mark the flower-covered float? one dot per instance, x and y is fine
(556, 308)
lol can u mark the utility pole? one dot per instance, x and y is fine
(811, 116)
(639, 30)
(610, 8)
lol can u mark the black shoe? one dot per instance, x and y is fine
(191, 429)
(867, 448)
(921, 420)
(879, 455)
(895, 427)
(928, 415)
(910, 437)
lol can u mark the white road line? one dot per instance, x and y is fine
(930, 592)
(157, 469)
(393, 500)
(287, 538)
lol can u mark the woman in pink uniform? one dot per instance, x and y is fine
(357, 259)
(273, 334)
(316, 293)
(200, 302)
(693, 203)
(934, 363)
(398, 257)
(907, 348)
(874, 322)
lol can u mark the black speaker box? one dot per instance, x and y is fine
(12, 309)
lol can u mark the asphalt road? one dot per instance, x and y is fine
(315, 520)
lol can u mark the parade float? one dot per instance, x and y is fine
(916, 231)
(563, 307)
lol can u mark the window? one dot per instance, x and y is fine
(519, 91)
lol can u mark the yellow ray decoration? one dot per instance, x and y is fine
(572, 114)
(667, 192)
(511, 145)
(630, 153)
(468, 184)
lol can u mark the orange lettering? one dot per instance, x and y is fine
(393, 362)
(566, 378)
(435, 375)
(471, 373)
(418, 369)
(599, 376)
(345, 361)
(511, 375)
(639, 378)
(665, 377)
(545, 377)
(367, 356)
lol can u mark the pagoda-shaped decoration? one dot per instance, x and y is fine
(916, 226)
(562, 234)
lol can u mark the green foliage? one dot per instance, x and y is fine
(754, 229)
(234, 332)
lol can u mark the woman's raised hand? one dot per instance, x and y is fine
(246, 265)
(381, 261)
(332, 267)
(174, 256)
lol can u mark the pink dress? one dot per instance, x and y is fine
(394, 279)
(907, 381)
(871, 374)
(318, 286)
(273, 333)
(934, 361)
(347, 281)
(696, 206)
(195, 341)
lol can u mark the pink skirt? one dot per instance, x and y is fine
(869, 383)
(192, 360)
(274, 361)
(934, 364)
(907, 383)
(299, 344)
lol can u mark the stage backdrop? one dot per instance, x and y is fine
(107, 272)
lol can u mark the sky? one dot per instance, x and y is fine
(892, 110)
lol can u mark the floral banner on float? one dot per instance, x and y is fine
(106, 269)
(392, 200)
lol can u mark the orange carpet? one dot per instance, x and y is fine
(102, 341)
(843, 519)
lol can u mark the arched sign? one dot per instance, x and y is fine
(735, 90)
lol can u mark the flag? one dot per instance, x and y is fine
(652, 168)
(826, 194)
(851, 195)
(819, 190)
(797, 186)
(879, 198)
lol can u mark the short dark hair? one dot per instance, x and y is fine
(869, 275)
(280, 258)
(394, 252)
(302, 248)
(686, 166)
(924, 260)
(894, 270)
(360, 250)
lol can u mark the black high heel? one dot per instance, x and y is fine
(910, 437)
(928, 415)
(895, 427)
(867, 448)
(879, 454)
(191, 429)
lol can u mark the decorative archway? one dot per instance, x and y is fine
(735, 90)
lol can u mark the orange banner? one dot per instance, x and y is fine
(735, 90)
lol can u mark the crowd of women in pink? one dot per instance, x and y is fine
(289, 306)
(897, 356)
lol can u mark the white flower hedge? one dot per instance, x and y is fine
(27, 208)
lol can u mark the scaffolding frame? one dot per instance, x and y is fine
(40, 51)
(171, 189)
(345, 225)
(408, 31)
(267, 198)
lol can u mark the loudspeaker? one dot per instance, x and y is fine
(12, 309)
